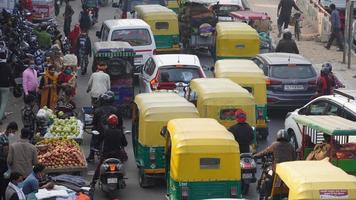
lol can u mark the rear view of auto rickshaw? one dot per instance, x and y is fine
(197, 24)
(249, 76)
(173, 5)
(328, 136)
(164, 25)
(312, 180)
(203, 160)
(151, 113)
(219, 98)
(119, 57)
(259, 21)
(236, 40)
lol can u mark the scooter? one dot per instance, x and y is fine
(248, 171)
(264, 184)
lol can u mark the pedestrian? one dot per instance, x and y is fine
(287, 44)
(6, 80)
(99, 82)
(29, 79)
(335, 28)
(5, 141)
(57, 40)
(31, 184)
(13, 191)
(73, 37)
(43, 37)
(283, 13)
(68, 13)
(22, 154)
(28, 115)
(68, 76)
(48, 86)
(281, 149)
(84, 19)
(83, 50)
(242, 131)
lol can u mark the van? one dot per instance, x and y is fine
(134, 31)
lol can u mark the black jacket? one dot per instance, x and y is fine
(243, 134)
(84, 21)
(287, 46)
(114, 140)
(84, 44)
(285, 7)
(102, 113)
(6, 77)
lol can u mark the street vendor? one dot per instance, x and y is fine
(48, 86)
(32, 183)
(68, 77)
(65, 105)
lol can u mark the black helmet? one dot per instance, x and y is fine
(327, 67)
(107, 98)
(282, 135)
(287, 34)
(3, 52)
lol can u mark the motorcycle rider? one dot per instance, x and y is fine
(325, 83)
(281, 149)
(84, 20)
(83, 50)
(287, 44)
(101, 113)
(242, 131)
(332, 76)
(114, 143)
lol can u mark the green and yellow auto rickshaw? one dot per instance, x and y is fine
(236, 40)
(164, 25)
(202, 160)
(328, 136)
(173, 5)
(151, 112)
(301, 180)
(248, 75)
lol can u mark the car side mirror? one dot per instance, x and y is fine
(98, 34)
(164, 131)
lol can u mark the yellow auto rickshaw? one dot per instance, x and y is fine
(203, 160)
(312, 180)
(151, 112)
(236, 40)
(164, 25)
(173, 5)
(248, 75)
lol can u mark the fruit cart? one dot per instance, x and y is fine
(61, 156)
(71, 128)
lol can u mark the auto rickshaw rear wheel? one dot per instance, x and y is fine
(143, 180)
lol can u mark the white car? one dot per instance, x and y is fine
(170, 72)
(342, 104)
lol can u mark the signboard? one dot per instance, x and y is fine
(334, 194)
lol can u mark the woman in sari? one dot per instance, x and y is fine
(48, 86)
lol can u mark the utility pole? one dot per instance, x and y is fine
(348, 37)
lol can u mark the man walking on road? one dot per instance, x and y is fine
(335, 28)
(68, 13)
(99, 82)
(283, 13)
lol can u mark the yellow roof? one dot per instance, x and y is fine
(214, 88)
(200, 135)
(151, 12)
(237, 29)
(157, 97)
(305, 179)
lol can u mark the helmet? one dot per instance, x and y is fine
(327, 67)
(287, 34)
(3, 52)
(113, 120)
(282, 135)
(108, 97)
(240, 116)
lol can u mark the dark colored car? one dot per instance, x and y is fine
(291, 79)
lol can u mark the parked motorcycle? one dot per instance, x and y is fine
(264, 184)
(248, 171)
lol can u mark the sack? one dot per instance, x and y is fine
(17, 92)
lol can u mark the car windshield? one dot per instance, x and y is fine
(179, 74)
(134, 3)
(292, 71)
(135, 37)
(224, 10)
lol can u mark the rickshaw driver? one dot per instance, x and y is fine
(114, 143)
(281, 149)
(242, 131)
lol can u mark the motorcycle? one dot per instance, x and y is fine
(248, 171)
(264, 184)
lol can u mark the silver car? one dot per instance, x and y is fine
(292, 79)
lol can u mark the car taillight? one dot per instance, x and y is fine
(112, 167)
(273, 82)
(184, 192)
(166, 86)
(270, 100)
(312, 82)
(154, 82)
(233, 192)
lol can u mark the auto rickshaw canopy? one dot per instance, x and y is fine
(316, 180)
(202, 150)
(328, 124)
(236, 40)
(155, 110)
(245, 73)
(112, 49)
(162, 20)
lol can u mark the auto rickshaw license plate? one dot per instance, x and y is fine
(112, 180)
(246, 176)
